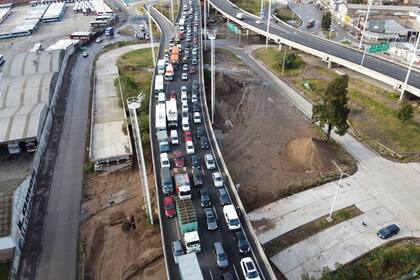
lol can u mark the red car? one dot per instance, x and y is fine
(169, 206)
(173, 94)
(181, 35)
(192, 70)
(188, 136)
(179, 159)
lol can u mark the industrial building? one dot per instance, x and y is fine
(55, 12)
(29, 91)
(29, 23)
(4, 13)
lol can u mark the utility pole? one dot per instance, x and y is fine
(172, 10)
(212, 37)
(366, 21)
(262, 9)
(134, 103)
(329, 218)
(413, 58)
(151, 35)
(205, 24)
(363, 57)
(268, 22)
(284, 61)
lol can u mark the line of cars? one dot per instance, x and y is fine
(180, 60)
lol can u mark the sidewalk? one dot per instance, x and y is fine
(387, 192)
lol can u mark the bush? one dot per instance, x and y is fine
(405, 113)
(292, 61)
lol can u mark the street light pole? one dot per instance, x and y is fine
(366, 21)
(151, 35)
(212, 37)
(284, 60)
(172, 10)
(413, 58)
(363, 57)
(329, 218)
(205, 25)
(268, 22)
(262, 9)
(134, 103)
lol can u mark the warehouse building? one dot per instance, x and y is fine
(55, 12)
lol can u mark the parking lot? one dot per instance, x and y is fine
(47, 33)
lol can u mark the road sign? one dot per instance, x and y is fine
(233, 28)
(378, 48)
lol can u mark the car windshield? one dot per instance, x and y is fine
(169, 207)
(211, 161)
(252, 274)
(222, 257)
(218, 179)
(234, 222)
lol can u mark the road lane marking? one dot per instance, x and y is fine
(236, 272)
(211, 275)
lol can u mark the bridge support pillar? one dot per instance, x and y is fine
(329, 64)
(247, 32)
(280, 47)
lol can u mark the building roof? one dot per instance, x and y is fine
(383, 8)
(386, 26)
(6, 205)
(55, 10)
(25, 92)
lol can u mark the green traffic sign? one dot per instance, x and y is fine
(233, 28)
(379, 48)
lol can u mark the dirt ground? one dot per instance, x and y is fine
(271, 150)
(110, 252)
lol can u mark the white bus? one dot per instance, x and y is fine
(158, 84)
(172, 113)
(161, 66)
(160, 117)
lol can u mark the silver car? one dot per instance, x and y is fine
(177, 250)
(221, 257)
(210, 219)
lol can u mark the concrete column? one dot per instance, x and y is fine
(247, 32)
(329, 64)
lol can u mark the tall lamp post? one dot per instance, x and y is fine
(413, 58)
(366, 21)
(329, 218)
(151, 35)
(134, 103)
(212, 37)
(268, 22)
(205, 25)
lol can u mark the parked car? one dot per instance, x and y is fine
(210, 219)
(221, 257)
(184, 107)
(179, 159)
(217, 179)
(169, 206)
(223, 196)
(210, 163)
(185, 67)
(388, 231)
(204, 143)
(242, 242)
(249, 269)
(205, 199)
(177, 250)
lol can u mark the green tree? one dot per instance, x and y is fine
(292, 61)
(405, 113)
(333, 110)
(326, 21)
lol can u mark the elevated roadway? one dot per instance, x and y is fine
(382, 70)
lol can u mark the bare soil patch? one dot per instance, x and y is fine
(270, 148)
(110, 252)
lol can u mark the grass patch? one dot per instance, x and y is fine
(346, 42)
(273, 58)
(165, 8)
(251, 6)
(4, 270)
(390, 262)
(286, 14)
(305, 231)
(328, 36)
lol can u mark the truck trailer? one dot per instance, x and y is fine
(188, 225)
(189, 268)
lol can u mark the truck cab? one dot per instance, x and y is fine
(192, 242)
(162, 136)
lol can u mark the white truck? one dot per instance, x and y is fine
(182, 183)
(169, 72)
(172, 113)
(159, 86)
(161, 66)
(189, 268)
(160, 117)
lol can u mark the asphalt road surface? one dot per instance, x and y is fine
(387, 68)
(169, 225)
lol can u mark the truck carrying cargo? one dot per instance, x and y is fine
(174, 59)
(188, 225)
(169, 73)
(189, 268)
(159, 86)
(162, 137)
(109, 31)
(182, 183)
(172, 113)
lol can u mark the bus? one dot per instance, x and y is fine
(159, 84)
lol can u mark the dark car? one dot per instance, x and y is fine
(205, 199)
(179, 159)
(197, 177)
(223, 196)
(242, 242)
(388, 231)
(227, 276)
(192, 70)
(199, 132)
(196, 107)
(195, 161)
(173, 94)
(205, 143)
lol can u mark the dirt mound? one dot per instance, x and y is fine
(226, 84)
(145, 260)
(311, 154)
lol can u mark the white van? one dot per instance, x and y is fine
(185, 124)
(161, 98)
(174, 137)
(164, 160)
(231, 217)
(240, 16)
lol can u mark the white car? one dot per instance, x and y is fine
(164, 160)
(184, 89)
(217, 179)
(197, 117)
(184, 97)
(174, 137)
(184, 107)
(249, 269)
(98, 40)
(258, 22)
(210, 163)
(184, 76)
(185, 67)
(190, 147)
(194, 98)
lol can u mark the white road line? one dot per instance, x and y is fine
(211, 275)
(236, 272)
(215, 213)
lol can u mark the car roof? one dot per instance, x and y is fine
(168, 199)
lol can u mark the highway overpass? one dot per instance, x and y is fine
(382, 70)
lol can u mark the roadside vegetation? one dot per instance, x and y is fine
(391, 262)
(4, 271)
(136, 72)
(376, 117)
(307, 230)
(273, 58)
(287, 15)
(165, 8)
(251, 6)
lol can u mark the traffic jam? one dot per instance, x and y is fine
(186, 160)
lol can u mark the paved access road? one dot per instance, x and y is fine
(386, 192)
(169, 225)
(387, 68)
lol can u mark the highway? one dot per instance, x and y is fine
(169, 228)
(382, 66)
